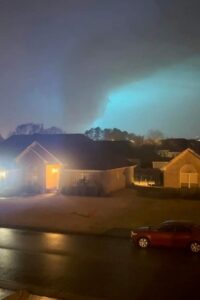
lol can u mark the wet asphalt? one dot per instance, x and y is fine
(59, 265)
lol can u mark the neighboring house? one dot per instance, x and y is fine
(182, 171)
(62, 161)
(171, 147)
(159, 164)
(167, 153)
(40, 168)
(141, 155)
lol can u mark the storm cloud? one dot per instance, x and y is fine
(61, 61)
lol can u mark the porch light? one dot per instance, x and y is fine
(54, 170)
(2, 174)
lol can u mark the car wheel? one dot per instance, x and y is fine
(143, 242)
(195, 247)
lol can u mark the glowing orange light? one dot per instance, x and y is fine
(54, 170)
(52, 176)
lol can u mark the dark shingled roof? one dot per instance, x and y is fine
(179, 145)
(145, 154)
(74, 150)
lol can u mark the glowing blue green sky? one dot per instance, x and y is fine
(168, 99)
(131, 64)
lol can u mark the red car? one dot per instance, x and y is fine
(169, 234)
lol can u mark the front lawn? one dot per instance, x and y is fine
(96, 215)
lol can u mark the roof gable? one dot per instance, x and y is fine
(179, 156)
(42, 153)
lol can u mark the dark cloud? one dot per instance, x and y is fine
(124, 41)
(62, 58)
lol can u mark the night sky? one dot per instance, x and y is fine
(131, 64)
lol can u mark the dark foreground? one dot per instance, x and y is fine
(57, 265)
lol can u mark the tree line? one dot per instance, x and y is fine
(115, 134)
(96, 134)
(35, 128)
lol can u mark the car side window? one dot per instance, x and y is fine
(166, 228)
(180, 228)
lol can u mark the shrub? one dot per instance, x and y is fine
(82, 190)
(158, 192)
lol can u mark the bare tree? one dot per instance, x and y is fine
(154, 136)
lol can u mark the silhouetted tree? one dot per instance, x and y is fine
(107, 134)
(98, 134)
(52, 130)
(28, 128)
(32, 128)
(154, 136)
(114, 134)
(90, 133)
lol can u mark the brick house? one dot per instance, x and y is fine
(62, 161)
(183, 171)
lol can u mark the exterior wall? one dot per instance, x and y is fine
(12, 181)
(106, 181)
(159, 164)
(117, 179)
(172, 173)
(33, 172)
(70, 178)
(129, 175)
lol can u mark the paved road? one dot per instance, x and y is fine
(111, 268)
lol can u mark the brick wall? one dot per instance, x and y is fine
(172, 173)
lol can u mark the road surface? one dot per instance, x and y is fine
(57, 265)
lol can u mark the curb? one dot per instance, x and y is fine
(15, 291)
(110, 233)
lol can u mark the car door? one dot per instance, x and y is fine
(181, 236)
(163, 235)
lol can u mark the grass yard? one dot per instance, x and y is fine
(95, 215)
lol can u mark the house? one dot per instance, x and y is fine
(142, 155)
(167, 153)
(183, 171)
(45, 162)
(173, 146)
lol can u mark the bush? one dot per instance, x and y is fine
(165, 193)
(82, 190)
(21, 191)
(31, 190)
